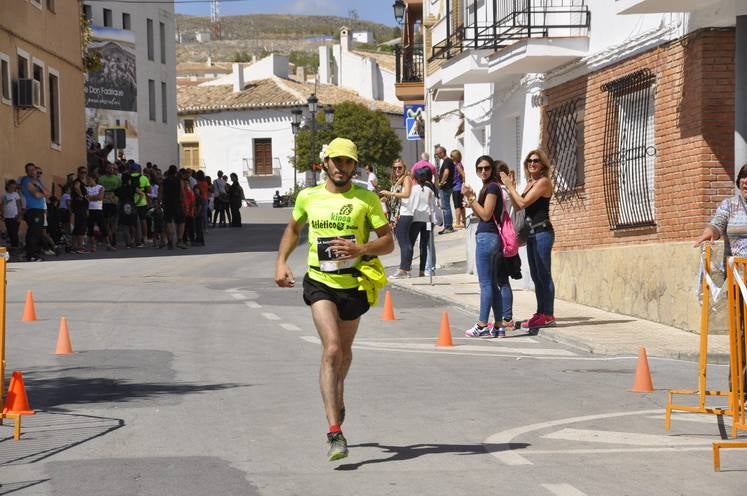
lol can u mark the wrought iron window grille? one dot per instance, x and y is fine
(565, 144)
(629, 153)
(512, 21)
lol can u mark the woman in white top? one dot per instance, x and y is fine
(12, 212)
(403, 218)
(422, 203)
(95, 193)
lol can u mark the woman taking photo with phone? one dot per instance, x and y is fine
(535, 200)
(488, 206)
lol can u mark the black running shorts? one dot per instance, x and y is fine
(351, 303)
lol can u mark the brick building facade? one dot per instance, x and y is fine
(641, 261)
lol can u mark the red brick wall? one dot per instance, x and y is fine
(694, 138)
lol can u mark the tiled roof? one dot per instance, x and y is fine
(269, 93)
(202, 67)
(384, 59)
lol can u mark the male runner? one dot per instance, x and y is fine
(341, 217)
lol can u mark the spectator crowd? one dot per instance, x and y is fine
(114, 205)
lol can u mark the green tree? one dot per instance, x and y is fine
(377, 142)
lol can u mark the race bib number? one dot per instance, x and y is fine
(328, 258)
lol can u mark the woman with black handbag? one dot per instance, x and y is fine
(535, 200)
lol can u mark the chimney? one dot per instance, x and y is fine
(237, 76)
(301, 73)
(346, 39)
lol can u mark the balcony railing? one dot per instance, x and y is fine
(261, 170)
(512, 21)
(409, 64)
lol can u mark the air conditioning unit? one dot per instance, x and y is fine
(26, 93)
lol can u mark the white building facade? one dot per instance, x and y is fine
(154, 25)
(624, 96)
(242, 123)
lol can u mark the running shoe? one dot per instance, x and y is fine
(338, 446)
(400, 274)
(548, 321)
(497, 332)
(536, 320)
(477, 332)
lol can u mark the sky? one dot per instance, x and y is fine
(368, 10)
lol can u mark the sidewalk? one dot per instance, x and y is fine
(590, 329)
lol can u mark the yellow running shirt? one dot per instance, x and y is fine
(353, 215)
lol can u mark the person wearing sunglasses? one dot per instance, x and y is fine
(535, 200)
(403, 218)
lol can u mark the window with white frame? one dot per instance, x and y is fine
(126, 21)
(151, 100)
(189, 126)
(5, 95)
(54, 107)
(37, 4)
(108, 18)
(38, 75)
(51, 6)
(23, 64)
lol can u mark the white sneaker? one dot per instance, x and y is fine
(477, 332)
(400, 274)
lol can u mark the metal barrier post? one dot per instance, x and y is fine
(736, 278)
(3, 265)
(701, 392)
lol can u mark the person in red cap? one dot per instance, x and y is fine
(340, 217)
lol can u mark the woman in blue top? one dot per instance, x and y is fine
(488, 205)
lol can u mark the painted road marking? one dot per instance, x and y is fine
(430, 348)
(252, 304)
(270, 316)
(695, 417)
(504, 439)
(290, 327)
(461, 347)
(563, 490)
(628, 438)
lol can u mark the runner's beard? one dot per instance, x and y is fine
(341, 182)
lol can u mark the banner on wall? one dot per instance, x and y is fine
(111, 91)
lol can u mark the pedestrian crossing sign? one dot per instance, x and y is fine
(414, 125)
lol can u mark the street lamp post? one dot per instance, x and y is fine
(313, 103)
(399, 11)
(296, 116)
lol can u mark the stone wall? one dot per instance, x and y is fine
(655, 281)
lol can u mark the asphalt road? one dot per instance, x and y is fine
(195, 375)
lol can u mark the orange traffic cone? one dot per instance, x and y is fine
(444, 333)
(63, 339)
(29, 313)
(16, 402)
(388, 313)
(643, 383)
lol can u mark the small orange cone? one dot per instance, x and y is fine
(643, 383)
(29, 313)
(16, 402)
(388, 313)
(63, 339)
(444, 333)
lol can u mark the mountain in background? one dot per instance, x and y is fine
(258, 34)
